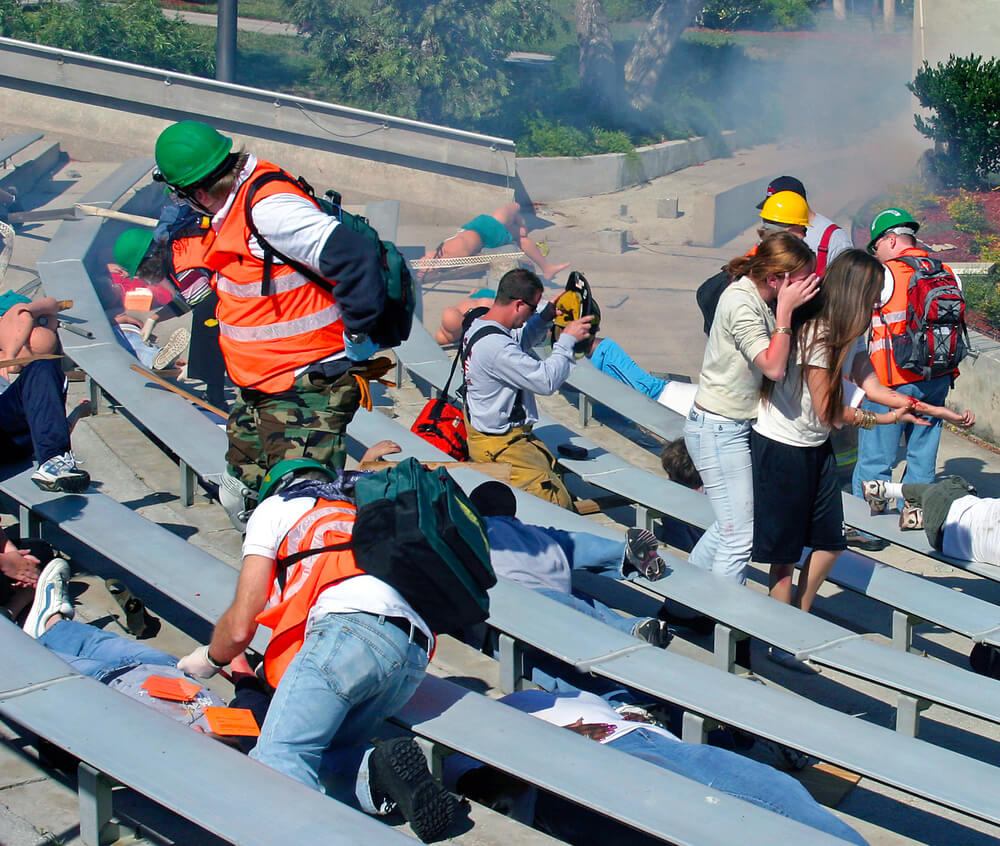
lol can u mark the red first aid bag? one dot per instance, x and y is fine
(442, 425)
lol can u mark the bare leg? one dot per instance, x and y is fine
(814, 572)
(511, 217)
(780, 582)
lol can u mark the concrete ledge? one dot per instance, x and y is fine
(24, 177)
(978, 387)
(546, 179)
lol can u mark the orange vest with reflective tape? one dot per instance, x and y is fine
(891, 319)
(295, 588)
(264, 339)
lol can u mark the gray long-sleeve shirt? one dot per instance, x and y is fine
(499, 365)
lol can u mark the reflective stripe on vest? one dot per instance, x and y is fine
(893, 322)
(265, 339)
(293, 595)
(285, 329)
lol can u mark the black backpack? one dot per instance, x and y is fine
(393, 325)
(708, 294)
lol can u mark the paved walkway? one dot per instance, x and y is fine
(243, 24)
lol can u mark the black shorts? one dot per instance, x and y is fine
(796, 500)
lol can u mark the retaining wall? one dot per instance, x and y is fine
(364, 154)
(546, 179)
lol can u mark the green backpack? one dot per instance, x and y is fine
(417, 531)
(392, 326)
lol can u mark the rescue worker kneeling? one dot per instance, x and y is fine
(346, 650)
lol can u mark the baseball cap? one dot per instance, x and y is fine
(784, 183)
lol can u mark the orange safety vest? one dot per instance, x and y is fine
(295, 589)
(188, 253)
(891, 319)
(264, 339)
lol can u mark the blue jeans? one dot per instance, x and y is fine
(720, 450)
(737, 776)
(877, 447)
(592, 608)
(33, 414)
(97, 653)
(351, 673)
(585, 551)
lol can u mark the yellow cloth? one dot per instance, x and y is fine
(532, 466)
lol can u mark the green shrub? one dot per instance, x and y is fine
(612, 140)
(982, 294)
(989, 249)
(758, 14)
(629, 10)
(968, 214)
(964, 95)
(544, 137)
(910, 195)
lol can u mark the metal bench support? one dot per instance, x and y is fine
(511, 664)
(902, 630)
(30, 525)
(725, 647)
(188, 483)
(695, 728)
(97, 827)
(585, 409)
(908, 709)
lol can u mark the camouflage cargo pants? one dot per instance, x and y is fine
(307, 421)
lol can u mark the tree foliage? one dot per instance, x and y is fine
(135, 31)
(758, 14)
(437, 61)
(964, 96)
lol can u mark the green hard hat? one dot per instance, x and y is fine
(279, 476)
(131, 248)
(189, 151)
(889, 219)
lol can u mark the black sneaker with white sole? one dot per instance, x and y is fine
(397, 772)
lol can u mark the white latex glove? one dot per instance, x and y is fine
(197, 664)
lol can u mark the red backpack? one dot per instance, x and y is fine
(935, 338)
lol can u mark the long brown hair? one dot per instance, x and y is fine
(851, 285)
(778, 254)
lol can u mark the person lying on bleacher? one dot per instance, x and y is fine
(504, 226)
(346, 651)
(543, 559)
(956, 521)
(592, 717)
(33, 394)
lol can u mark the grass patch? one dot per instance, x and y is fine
(268, 10)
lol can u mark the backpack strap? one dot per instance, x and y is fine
(517, 414)
(284, 563)
(824, 248)
(269, 251)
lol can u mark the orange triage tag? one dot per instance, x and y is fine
(179, 690)
(232, 721)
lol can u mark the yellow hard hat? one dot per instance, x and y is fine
(786, 207)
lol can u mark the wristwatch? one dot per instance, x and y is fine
(356, 337)
(213, 662)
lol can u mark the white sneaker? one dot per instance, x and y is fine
(176, 344)
(60, 473)
(51, 598)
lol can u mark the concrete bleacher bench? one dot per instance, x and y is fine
(441, 712)
(119, 740)
(13, 144)
(66, 268)
(533, 621)
(917, 680)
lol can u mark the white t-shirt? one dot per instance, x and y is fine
(972, 530)
(269, 524)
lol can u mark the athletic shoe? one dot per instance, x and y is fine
(641, 555)
(51, 598)
(397, 772)
(911, 517)
(874, 494)
(653, 632)
(790, 662)
(863, 540)
(60, 473)
(176, 344)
